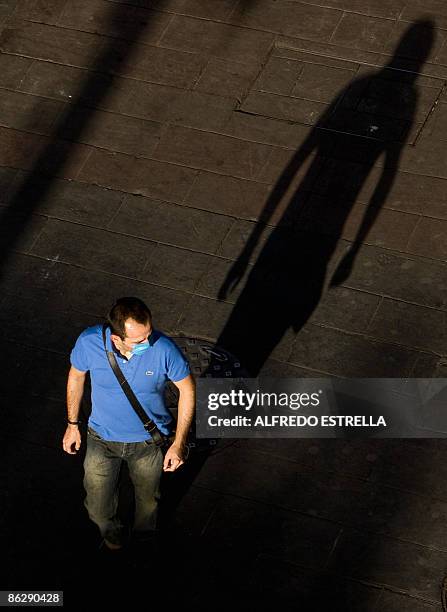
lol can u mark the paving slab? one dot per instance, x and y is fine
(13, 225)
(100, 250)
(279, 75)
(102, 18)
(393, 602)
(316, 23)
(200, 8)
(227, 78)
(361, 32)
(112, 132)
(397, 467)
(321, 83)
(203, 317)
(360, 356)
(24, 150)
(22, 313)
(212, 152)
(48, 13)
(173, 224)
(348, 457)
(275, 368)
(145, 177)
(269, 131)
(390, 9)
(51, 281)
(227, 195)
(166, 66)
(410, 325)
(100, 289)
(215, 39)
(25, 419)
(287, 109)
(424, 160)
(388, 273)
(263, 529)
(195, 510)
(64, 82)
(428, 239)
(29, 113)
(391, 563)
(67, 200)
(45, 279)
(346, 309)
(176, 268)
(408, 193)
(286, 584)
(41, 41)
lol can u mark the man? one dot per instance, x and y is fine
(115, 433)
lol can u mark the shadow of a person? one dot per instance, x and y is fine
(287, 281)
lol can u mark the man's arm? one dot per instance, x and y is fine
(186, 408)
(75, 391)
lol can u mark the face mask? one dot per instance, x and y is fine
(140, 348)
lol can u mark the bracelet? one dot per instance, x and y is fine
(73, 422)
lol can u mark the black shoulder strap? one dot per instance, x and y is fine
(148, 423)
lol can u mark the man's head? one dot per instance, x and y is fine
(131, 323)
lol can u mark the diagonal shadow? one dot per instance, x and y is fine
(51, 160)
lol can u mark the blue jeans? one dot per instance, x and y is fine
(101, 481)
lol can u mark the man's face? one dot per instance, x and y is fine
(136, 333)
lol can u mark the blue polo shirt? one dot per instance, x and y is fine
(112, 416)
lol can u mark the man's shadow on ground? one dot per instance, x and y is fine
(288, 278)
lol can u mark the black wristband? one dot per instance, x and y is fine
(73, 422)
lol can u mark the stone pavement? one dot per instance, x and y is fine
(164, 148)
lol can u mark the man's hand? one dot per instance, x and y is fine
(72, 438)
(173, 458)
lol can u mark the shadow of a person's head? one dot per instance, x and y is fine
(414, 48)
(382, 103)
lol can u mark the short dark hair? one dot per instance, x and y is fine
(127, 308)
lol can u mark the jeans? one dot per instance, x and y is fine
(101, 481)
